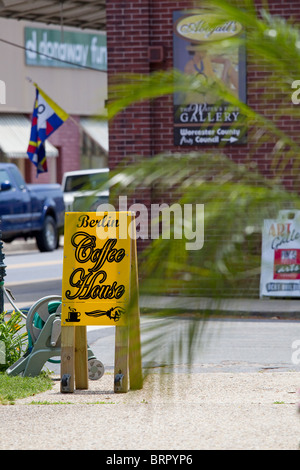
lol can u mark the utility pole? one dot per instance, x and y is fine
(2, 274)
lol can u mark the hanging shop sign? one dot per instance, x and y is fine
(280, 262)
(54, 48)
(96, 268)
(206, 27)
(200, 117)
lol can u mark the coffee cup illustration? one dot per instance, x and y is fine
(73, 315)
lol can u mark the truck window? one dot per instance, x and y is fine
(85, 182)
(18, 178)
(76, 183)
(4, 177)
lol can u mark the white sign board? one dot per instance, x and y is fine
(280, 262)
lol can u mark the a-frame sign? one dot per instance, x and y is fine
(100, 287)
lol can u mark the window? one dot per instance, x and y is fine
(4, 177)
(18, 178)
(85, 182)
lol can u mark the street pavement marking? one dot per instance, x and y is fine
(12, 284)
(32, 265)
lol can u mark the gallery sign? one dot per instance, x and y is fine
(280, 262)
(96, 268)
(200, 117)
(51, 48)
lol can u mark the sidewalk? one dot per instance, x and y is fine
(258, 308)
(215, 411)
(287, 307)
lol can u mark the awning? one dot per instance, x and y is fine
(96, 130)
(14, 137)
(79, 13)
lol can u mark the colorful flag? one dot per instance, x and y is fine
(46, 118)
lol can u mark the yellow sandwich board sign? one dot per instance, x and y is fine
(96, 268)
(100, 287)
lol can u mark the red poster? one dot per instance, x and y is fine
(287, 263)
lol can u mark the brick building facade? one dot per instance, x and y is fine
(76, 82)
(140, 40)
(134, 29)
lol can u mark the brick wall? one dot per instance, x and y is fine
(147, 129)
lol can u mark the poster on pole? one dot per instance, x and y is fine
(280, 261)
(200, 116)
(96, 268)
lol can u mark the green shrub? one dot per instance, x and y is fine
(12, 339)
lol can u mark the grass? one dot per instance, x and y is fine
(13, 388)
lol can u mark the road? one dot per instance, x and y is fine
(30, 274)
(219, 344)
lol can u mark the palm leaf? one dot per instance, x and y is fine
(237, 198)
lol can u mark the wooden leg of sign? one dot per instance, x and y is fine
(67, 359)
(121, 360)
(135, 359)
(81, 359)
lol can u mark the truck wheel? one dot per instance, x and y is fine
(47, 238)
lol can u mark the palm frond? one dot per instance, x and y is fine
(236, 197)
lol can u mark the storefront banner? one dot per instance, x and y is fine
(54, 48)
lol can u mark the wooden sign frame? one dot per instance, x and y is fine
(128, 363)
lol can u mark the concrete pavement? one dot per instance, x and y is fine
(234, 404)
(287, 308)
(230, 405)
(173, 412)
